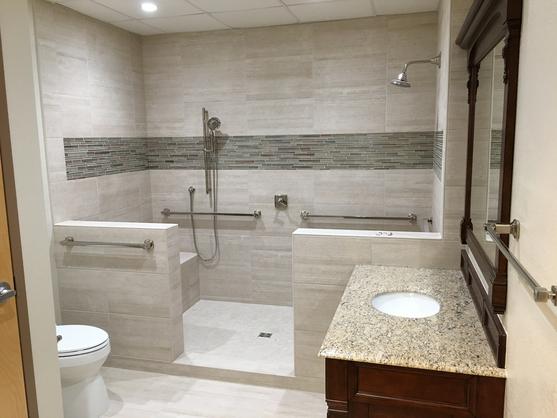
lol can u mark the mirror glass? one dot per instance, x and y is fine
(486, 167)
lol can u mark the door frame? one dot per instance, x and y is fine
(15, 245)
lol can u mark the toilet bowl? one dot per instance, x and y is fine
(82, 350)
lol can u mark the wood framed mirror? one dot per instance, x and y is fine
(491, 35)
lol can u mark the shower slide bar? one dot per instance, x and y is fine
(71, 242)
(412, 217)
(540, 293)
(254, 214)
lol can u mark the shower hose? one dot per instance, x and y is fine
(191, 190)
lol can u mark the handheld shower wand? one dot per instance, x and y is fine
(210, 161)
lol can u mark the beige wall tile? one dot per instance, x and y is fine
(189, 275)
(94, 319)
(328, 260)
(129, 293)
(91, 80)
(272, 292)
(306, 347)
(78, 292)
(349, 38)
(315, 305)
(76, 199)
(56, 162)
(313, 78)
(141, 337)
(226, 282)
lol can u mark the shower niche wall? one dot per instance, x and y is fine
(305, 110)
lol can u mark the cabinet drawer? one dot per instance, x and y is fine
(394, 412)
(412, 385)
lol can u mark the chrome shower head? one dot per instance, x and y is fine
(401, 80)
(213, 123)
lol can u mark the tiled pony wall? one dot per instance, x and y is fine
(306, 110)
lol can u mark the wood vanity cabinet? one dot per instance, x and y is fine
(363, 390)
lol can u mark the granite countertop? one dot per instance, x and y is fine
(451, 341)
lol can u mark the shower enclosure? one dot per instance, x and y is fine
(300, 130)
(225, 334)
(238, 233)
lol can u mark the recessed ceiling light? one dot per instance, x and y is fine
(149, 7)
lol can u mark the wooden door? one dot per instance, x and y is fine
(13, 402)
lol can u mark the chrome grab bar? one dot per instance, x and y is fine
(254, 214)
(71, 242)
(540, 293)
(412, 217)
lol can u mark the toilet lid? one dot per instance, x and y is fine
(79, 338)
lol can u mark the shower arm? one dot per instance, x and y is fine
(435, 61)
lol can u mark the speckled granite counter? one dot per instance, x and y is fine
(451, 341)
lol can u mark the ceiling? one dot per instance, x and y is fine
(202, 15)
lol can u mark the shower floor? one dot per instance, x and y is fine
(225, 335)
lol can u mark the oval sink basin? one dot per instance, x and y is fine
(406, 304)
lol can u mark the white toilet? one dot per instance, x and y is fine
(82, 350)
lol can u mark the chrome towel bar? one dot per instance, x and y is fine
(71, 242)
(254, 214)
(540, 293)
(412, 217)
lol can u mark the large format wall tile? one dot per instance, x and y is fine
(328, 260)
(145, 338)
(316, 78)
(306, 361)
(315, 305)
(91, 79)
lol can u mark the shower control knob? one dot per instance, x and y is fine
(281, 201)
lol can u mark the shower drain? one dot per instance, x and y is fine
(265, 334)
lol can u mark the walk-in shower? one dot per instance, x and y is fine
(237, 270)
(402, 79)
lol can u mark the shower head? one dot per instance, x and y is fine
(402, 79)
(213, 123)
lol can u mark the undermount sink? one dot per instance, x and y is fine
(406, 304)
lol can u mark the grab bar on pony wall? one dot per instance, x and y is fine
(71, 242)
(412, 217)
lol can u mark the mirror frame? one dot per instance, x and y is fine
(487, 24)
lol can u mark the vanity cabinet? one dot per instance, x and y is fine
(364, 390)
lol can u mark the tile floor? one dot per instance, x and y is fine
(225, 335)
(136, 394)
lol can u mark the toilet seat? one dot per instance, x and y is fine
(82, 351)
(79, 340)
